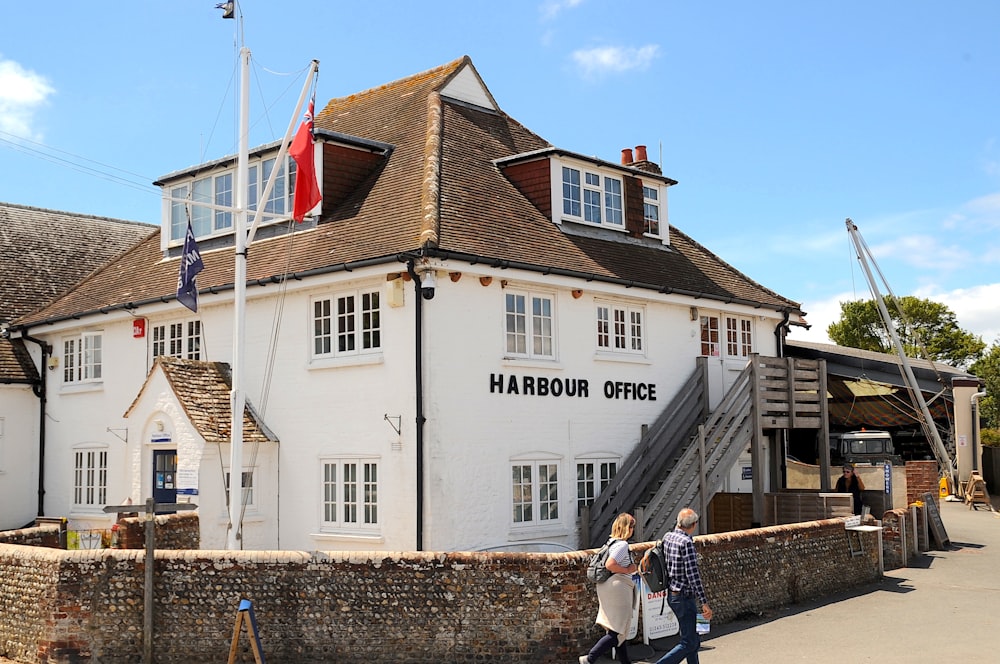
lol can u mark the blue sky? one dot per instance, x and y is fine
(778, 119)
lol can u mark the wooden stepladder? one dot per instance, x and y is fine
(976, 493)
(245, 614)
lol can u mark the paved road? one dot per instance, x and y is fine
(944, 608)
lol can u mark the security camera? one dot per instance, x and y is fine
(427, 284)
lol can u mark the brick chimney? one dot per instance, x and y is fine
(642, 162)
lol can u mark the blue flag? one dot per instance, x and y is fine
(191, 265)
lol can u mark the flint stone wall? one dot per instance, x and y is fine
(410, 607)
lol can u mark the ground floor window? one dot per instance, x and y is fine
(350, 494)
(90, 478)
(592, 477)
(534, 491)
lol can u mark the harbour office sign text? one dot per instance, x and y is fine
(542, 386)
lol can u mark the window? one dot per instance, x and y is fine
(710, 336)
(90, 478)
(651, 210)
(248, 485)
(347, 324)
(528, 333)
(592, 477)
(619, 328)
(350, 494)
(83, 358)
(202, 196)
(178, 340)
(595, 198)
(739, 336)
(535, 486)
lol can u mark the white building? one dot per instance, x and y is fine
(560, 314)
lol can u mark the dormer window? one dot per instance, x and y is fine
(592, 197)
(651, 210)
(206, 197)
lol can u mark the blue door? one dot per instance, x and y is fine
(165, 476)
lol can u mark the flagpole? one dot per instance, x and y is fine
(234, 535)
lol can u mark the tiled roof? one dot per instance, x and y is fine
(441, 188)
(202, 388)
(15, 363)
(45, 252)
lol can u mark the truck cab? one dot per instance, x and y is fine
(862, 447)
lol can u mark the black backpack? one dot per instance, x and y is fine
(654, 572)
(653, 568)
(597, 569)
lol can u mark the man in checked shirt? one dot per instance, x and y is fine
(685, 587)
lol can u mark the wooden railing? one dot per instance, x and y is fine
(684, 457)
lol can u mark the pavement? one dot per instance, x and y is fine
(944, 607)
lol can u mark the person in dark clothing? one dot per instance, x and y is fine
(850, 483)
(685, 588)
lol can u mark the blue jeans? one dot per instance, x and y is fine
(687, 617)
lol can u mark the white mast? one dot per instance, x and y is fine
(930, 428)
(237, 395)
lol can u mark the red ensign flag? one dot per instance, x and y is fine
(307, 193)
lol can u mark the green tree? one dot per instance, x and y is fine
(988, 368)
(920, 323)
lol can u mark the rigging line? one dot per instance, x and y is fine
(279, 308)
(21, 139)
(38, 154)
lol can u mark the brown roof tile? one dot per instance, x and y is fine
(202, 388)
(439, 183)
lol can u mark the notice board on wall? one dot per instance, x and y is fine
(935, 522)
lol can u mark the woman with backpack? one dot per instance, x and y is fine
(616, 595)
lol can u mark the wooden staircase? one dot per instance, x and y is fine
(688, 450)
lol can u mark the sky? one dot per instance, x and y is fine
(779, 119)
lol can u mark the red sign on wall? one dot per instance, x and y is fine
(138, 328)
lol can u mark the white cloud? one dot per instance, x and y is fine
(551, 8)
(614, 59)
(22, 92)
(974, 308)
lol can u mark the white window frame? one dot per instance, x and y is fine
(532, 504)
(346, 323)
(739, 336)
(711, 343)
(177, 339)
(354, 511)
(90, 477)
(586, 194)
(83, 358)
(529, 324)
(216, 188)
(621, 328)
(652, 219)
(249, 489)
(603, 468)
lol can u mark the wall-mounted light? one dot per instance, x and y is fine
(53, 363)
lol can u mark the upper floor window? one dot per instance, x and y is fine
(620, 328)
(90, 477)
(350, 494)
(592, 477)
(651, 210)
(247, 480)
(593, 197)
(528, 324)
(347, 324)
(208, 198)
(178, 340)
(739, 336)
(83, 358)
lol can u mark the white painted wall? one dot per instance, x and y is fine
(325, 408)
(18, 456)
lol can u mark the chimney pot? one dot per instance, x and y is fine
(626, 156)
(640, 153)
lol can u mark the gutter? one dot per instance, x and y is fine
(471, 259)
